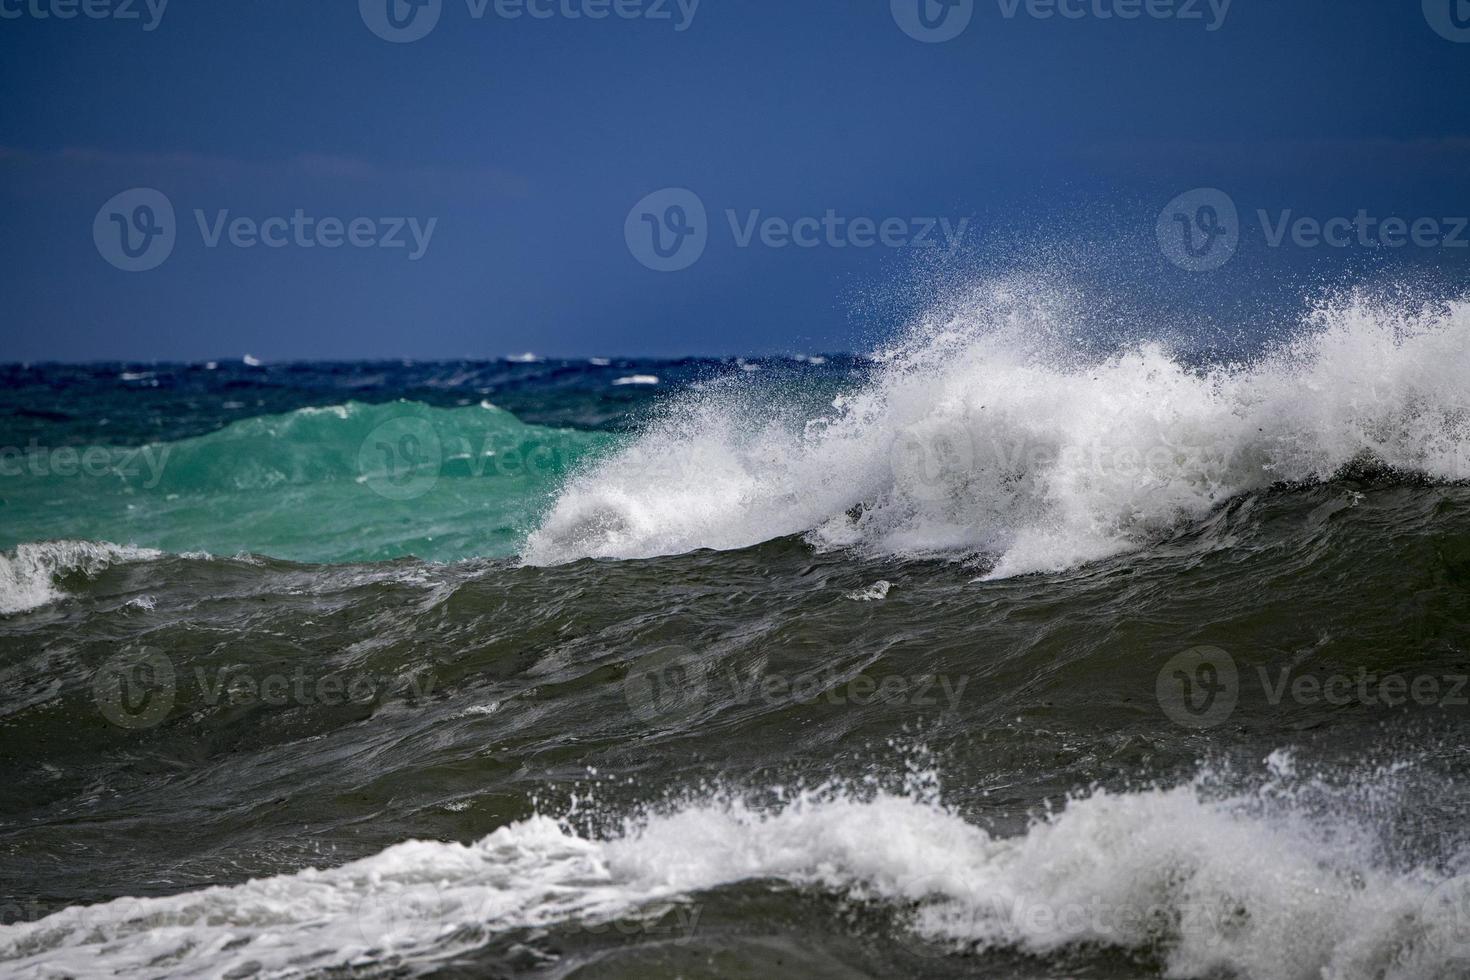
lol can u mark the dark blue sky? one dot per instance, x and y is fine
(528, 141)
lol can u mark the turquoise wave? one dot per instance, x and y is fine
(353, 482)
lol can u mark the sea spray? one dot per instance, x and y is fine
(987, 432)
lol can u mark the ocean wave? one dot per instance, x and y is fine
(28, 573)
(1207, 887)
(989, 431)
(342, 482)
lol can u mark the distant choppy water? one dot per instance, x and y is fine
(969, 659)
(317, 462)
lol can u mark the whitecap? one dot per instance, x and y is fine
(985, 431)
(28, 573)
(1212, 887)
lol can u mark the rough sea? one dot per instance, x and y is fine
(986, 653)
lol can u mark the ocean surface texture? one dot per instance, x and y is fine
(989, 653)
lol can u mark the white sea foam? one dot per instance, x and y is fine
(1210, 888)
(878, 590)
(28, 573)
(986, 430)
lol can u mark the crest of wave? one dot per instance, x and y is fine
(28, 573)
(995, 428)
(1253, 885)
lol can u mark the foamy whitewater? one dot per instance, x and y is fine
(404, 732)
(987, 432)
(1231, 886)
(28, 574)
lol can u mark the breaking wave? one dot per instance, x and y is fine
(1252, 885)
(989, 432)
(28, 573)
